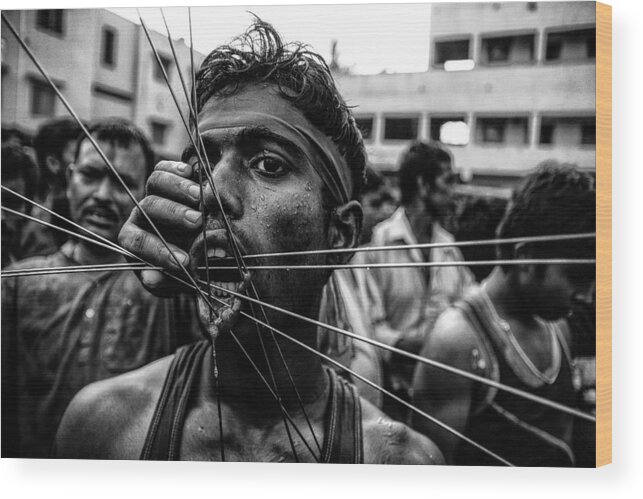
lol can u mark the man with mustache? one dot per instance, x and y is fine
(63, 331)
(287, 160)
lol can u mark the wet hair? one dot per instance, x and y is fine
(420, 160)
(16, 164)
(554, 199)
(123, 133)
(302, 77)
(51, 139)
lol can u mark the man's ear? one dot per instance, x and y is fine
(344, 230)
(68, 173)
(526, 272)
(53, 164)
(422, 187)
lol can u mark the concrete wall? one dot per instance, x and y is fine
(67, 59)
(94, 90)
(533, 89)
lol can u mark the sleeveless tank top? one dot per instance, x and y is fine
(343, 439)
(523, 432)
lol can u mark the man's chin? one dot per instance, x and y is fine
(222, 311)
(109, 233)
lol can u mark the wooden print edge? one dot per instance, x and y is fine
(603, 234)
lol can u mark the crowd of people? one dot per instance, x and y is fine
(316, 356)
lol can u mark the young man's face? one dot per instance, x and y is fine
(271, 195)
(377, 205)
(557, 286)
(438, 197)
(97, 199)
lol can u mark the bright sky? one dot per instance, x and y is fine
(371, 37)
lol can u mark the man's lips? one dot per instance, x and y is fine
(219, 254)
(100, 216)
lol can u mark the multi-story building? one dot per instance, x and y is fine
(508, 85)
(104, 66)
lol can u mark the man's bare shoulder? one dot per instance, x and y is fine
(390, 442)
(451, 335)
(109, 419)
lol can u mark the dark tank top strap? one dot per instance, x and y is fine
(164, 436)
(343, 442)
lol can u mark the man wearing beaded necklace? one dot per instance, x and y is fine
(510, 329)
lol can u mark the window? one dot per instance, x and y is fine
(51, 20)
(437, 123)
(571, 45)
(588, 133)
(567, 131)
(512, 131)
(365, 125)
(108, 50)
(492, 130)
(547, 132)
(167, 65)
(159, 133)
(400, 128)
(43, 99)
(517, 49)
(453, 50)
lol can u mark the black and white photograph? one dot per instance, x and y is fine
(349, 234)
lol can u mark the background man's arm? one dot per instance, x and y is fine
(445, 396)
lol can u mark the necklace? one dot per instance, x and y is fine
(550, 374)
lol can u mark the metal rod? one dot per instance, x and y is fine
(418, 358)
(528, 261)
(386, 392)
(479, 242)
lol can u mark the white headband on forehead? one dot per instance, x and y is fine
(319, 150)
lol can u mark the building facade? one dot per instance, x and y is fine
(508, 85)
(104, 66)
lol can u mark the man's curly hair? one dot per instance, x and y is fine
(302, 77)
(554, 199)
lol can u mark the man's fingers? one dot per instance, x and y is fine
(176, 167)
(150, 248)
(165, 213)
(174, 187)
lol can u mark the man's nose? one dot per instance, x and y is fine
(226, 182)
(585, 296)
(105, 189)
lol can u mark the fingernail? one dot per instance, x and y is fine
(151, 277)
(181, 167)
(192, 215)
(195, 191)
(181, 257)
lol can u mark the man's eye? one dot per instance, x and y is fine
(270, 166)
(90, 174)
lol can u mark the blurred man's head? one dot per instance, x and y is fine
(19, 175)
(555, 199)
(97, 199)
(55, 143)
(426, 176)
(377, 203)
